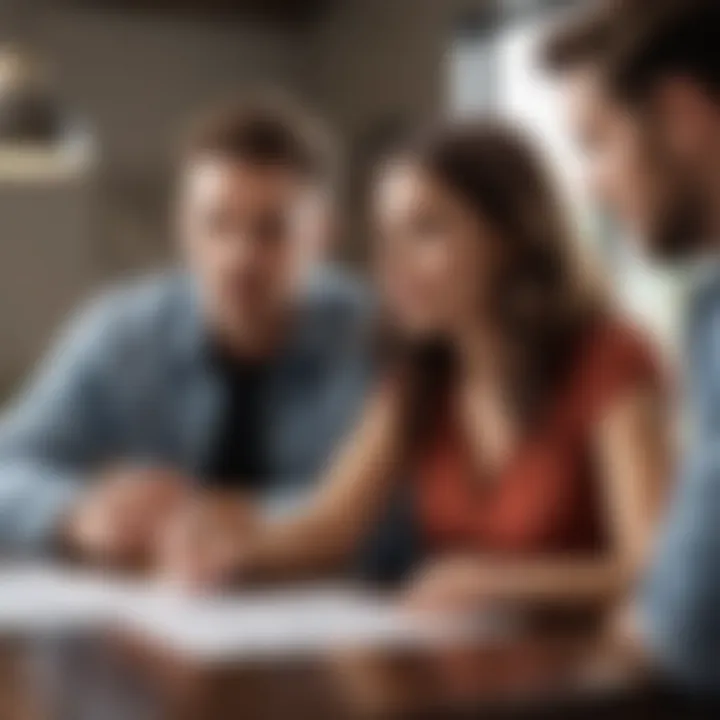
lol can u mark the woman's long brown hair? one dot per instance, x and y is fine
(544, 297)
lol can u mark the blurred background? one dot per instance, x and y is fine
(93, 93)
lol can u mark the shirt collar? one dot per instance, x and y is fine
(306, 344)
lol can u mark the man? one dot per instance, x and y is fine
(643, 82)
(198, 400)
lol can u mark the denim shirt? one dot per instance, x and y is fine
(130, 381)
(680, 603)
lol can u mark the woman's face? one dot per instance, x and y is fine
(434, 256)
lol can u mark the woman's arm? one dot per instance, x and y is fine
(633, 458)
(348, 500)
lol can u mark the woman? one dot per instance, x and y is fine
(520, 411)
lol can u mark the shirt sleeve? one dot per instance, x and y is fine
(680, 599)
(53, 430)
(679, 605)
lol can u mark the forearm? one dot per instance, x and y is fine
(553, 582)
(325, 532)
(54, 428)
(312, 543)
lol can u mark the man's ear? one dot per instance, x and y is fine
(689, 116)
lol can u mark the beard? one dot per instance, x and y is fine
(678, 228)
(678, 222)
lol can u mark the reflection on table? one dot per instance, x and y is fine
(112, 675)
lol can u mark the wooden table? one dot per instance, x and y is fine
(122, 678)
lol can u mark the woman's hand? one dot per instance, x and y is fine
(454, 584)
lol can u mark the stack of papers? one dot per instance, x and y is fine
(218, 627)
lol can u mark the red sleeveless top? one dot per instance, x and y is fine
(547, 498)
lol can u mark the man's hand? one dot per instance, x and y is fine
(205, 543)
(121, 517)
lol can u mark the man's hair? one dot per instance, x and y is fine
(266, 132)
(636, 43)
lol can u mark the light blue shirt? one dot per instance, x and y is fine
(130, 381)
(680, 606)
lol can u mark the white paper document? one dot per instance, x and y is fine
(39, 598)
(247, 624)
(283, 623)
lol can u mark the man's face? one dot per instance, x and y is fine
(250, 232)
(635, 170)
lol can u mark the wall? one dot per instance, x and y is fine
(380, 61)
(138, 77)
